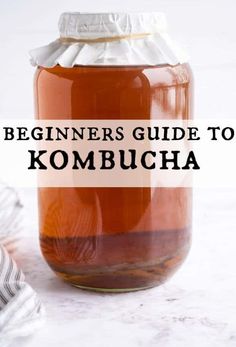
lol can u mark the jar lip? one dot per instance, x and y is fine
(108, 24)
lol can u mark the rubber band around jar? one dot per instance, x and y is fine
(104, 39)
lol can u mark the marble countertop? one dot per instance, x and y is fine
(196, 307)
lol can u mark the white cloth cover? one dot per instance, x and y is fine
(154, 49)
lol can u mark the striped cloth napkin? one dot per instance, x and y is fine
(21, 312)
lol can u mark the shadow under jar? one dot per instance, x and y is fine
(114, 239)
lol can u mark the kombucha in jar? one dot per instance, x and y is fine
(106, 238)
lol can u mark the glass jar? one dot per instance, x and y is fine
(113, 239)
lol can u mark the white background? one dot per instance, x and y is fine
(198, 306)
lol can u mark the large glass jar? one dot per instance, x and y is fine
(113, 239)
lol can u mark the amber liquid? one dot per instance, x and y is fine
(114, 238)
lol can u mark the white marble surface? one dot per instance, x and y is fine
(196, 307)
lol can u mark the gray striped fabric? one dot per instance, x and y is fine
(11, 216)
(21, 312)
